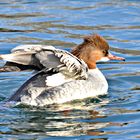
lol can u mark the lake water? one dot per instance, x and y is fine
(63, 23)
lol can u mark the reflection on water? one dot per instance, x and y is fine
(64, 24)
(77, 119)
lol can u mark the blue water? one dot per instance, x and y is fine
(63, 23)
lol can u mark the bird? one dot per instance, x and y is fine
(62, 76)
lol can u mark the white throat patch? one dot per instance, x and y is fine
(103, 59)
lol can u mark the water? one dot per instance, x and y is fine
(63, 24)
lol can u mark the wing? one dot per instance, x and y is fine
(42, 56)
(25, 55)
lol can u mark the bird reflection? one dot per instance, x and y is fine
(71, 119)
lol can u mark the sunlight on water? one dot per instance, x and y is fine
(64, 24)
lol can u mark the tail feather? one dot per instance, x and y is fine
(19, 58)
(6, 57)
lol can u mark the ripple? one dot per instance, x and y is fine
(14, 30)
(126, 51)
(21, 15)
(78, 27)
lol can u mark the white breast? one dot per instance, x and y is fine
(99, 80)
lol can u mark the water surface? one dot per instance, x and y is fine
(63, 24)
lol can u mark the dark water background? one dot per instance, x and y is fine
(63, 23)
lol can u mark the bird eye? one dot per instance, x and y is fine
(105, 52)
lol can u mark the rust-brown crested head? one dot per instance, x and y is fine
(91, 43)
(94, 48)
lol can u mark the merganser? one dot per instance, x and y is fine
(64, 76)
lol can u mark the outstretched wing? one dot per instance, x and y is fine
(24, 54)
(42, 56)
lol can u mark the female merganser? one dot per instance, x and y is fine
(64, 76)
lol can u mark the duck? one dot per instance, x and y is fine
(62, 76)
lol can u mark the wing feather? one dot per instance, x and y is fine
(44, 56)
(70, 64)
